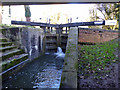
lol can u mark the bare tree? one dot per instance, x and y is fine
(55, 19)
(108, 11)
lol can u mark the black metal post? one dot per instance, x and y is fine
(51, 29)
(66, 30)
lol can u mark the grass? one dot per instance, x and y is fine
(12, 63)
(94, 58)
(12, 54)
(3, 40)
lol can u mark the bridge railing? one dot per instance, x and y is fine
(48, 28)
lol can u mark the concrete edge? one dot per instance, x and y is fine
(69, 73)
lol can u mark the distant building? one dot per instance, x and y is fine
(5, 16)
(13, 12)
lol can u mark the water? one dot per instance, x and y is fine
(44, 72)
(59, 53)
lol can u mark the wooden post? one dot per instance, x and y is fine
(44, 45)
(58, 40)
(59, 30)
(48, 29)
(44, 28)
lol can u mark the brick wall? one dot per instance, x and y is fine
(96, 35)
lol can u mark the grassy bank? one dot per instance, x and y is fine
(94, 58)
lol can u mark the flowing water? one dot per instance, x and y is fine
(44, 72)
(59, 53)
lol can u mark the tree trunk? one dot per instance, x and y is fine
(28, 19)
(27, 13)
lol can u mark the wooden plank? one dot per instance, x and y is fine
(82, 24)
(33, 23)
(59, 25)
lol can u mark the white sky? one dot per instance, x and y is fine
(45, 11)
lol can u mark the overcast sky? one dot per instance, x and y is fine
(45, 11)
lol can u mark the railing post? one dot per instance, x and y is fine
(51, 29)
(66, 30)
(69, 28)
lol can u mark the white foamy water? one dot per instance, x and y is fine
(45, 72)
(49, 78)
(59, 53)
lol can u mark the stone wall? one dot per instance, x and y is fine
(96, 35)
(29, 39)
(13, 35)
(69, 72)
(32, 41)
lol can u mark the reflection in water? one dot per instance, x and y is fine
(44, 72)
